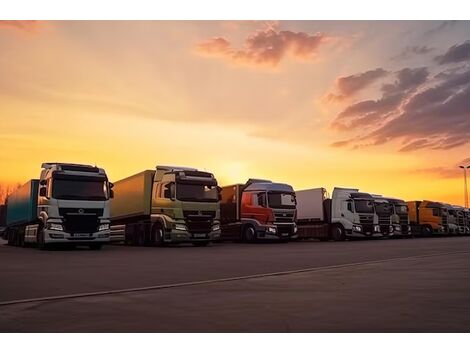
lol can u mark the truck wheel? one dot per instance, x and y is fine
(40, 240)
(95, 246)
(249, 234)
(338, 233)
(157, 235)
(427, 230)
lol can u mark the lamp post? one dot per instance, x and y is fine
(465, 191)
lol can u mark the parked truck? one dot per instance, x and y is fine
(460, 217)
(384, 211)
(400, 218)
(258, 210)
(170, 204)
(68, 204)
(347, 214)
(428, 218)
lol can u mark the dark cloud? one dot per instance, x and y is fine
(349, 85)
(265, 47)
(27, 26)
(455, 54)
(369, 112)
(411, 51)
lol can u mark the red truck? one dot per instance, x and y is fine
(258, 210)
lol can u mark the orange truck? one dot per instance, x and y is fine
(428, 218)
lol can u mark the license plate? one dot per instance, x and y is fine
(199, 235)
(81, 235)
(285, 234)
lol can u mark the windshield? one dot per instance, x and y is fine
(401, 209)
(281, 200)
(196, 192)
(79, 189)
(383, 208)
(364, 206)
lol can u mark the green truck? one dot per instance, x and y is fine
(167, 205)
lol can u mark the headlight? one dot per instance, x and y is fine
(56, 227)
(295, 228)
(216, 227)
(390, 229)
(377, 228)
(357, 228)
(397, 228)
(181, 227)
(271, 229)
(103, 227)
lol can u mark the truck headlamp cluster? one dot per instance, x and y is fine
(55, 227)
(357, 228)
(377, 228)
(295, 228)
(397, 227)
(271, 229)
(181, 227)
(216, 227)
(103, 227)
(390, 229)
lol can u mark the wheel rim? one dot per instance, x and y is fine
(249, 234)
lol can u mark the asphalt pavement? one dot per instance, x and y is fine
(415, 285)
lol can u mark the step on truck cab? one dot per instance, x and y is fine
(400, 218)
(170, 204)
(258, 210)
(428, 218)
(384, 211)
(347, 214)
(68, 204)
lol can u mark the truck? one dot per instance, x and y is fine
(428, 218)
(347, 214)
(68, 204)
(400, 218)
(460, 216)
(259, 210)
(452, 219)
(466, 214)
(169, 204)
(384, 211)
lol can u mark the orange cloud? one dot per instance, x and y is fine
(265, 47)
(27, 26)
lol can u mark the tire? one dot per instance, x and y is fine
(338, 233)
(249, 234)
(95, 246)
(427, 230)
(201, 244)
(40, 240)
(157, 234)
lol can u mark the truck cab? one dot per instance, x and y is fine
(460, 215)
(258, 210)
(384, 211)
(68, 204)
(428, 217)
(186, 203)
(400, 218)
(466, 215)
(452, 219)
(354, 213)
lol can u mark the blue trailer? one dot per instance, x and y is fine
(22, 205)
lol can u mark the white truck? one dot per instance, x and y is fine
(68, 204)
(347, 214)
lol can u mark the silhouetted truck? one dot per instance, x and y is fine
(168, 205)
(428, 218)
(348, 213)
(258, 210)
(384, 211)
(400, 218)
(68, 204)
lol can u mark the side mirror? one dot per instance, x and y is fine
(219, 195)
(111, 193)
(111, 185)
(43, 192)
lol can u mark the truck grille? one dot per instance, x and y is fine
(285, 229)
(384, 219)
(96, 211)
(82, 223)
(284, 216)
(366, 219)
(199, 221)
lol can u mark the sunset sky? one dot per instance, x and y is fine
(381, 106)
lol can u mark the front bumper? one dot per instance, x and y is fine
(54, 236)
(180, 236)
(401, 230)
(277, 232)
(364, 231)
